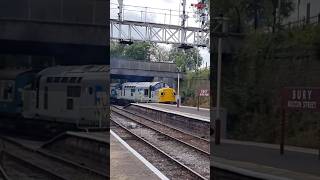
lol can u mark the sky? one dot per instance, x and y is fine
(159, 15)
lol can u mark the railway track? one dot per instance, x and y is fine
(3, 174)
(169, 166)
(192, 158)
(199, 143)
(15, 157)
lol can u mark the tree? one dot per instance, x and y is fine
(159, 53)
(248, 14)
(187, 60)
(137, 51)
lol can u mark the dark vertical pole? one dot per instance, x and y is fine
(198, 102)
(308, 13)
(217, 131)
(283, 120)
(319, 140)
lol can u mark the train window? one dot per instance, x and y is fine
(79, 80)
(49, 79)
(7, 92)
(146, 92)
(45, 105)
(73, 91)
(90, 90)
(57, 79)
(157, 86)
(162, 94)
(73, 80)
(132, 91)
(64, 79)
(69, 104)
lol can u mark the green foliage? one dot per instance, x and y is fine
(186, 60)
(251, 89)
(137, 51)
(192, 83)
(251, 14)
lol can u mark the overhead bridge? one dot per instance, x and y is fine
(134, 70)
(160, 33)
(70, 28)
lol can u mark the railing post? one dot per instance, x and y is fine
(29, 9)
(217, 131)
(94, 12)
(61, 10)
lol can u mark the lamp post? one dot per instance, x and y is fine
(218, 120)
(178, 88)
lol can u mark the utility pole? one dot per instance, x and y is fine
(120, 2)
(298, 19)
(178, 89)
(218, 120)
(279, 14)
(184, 18)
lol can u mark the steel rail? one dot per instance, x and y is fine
(181, 132)
(52, 157)
(3, 174)
(160, 151)
(30, 164)
(168, 126)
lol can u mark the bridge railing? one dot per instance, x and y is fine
(153, 15)
(314, 20)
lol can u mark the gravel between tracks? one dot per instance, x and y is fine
(200, 143)
(57, 167)
(167, 166)
(187, 155)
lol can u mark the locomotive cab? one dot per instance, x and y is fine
(167, 95)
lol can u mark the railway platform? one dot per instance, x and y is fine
(185, 118)
(126, 163)
(263, 161)
(187, 111)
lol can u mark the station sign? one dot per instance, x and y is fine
(301, 98)
(204, 92)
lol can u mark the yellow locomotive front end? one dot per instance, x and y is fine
(167, 95)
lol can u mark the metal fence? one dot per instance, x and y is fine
(314, 20)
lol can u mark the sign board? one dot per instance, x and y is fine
(204, 92)
(301, 98)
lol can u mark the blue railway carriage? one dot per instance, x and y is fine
(12, 82)
(69, 94)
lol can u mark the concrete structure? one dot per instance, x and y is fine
(133, 70)
(65, 28)
(263, 161)
(126, 164)
(198, 121)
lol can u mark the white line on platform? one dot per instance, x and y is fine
(141, 158)
(190, 107)
(247, 172)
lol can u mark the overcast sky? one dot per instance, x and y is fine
(159, 16)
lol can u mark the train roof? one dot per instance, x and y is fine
(11, 74)
(140, 84)
(75, 71)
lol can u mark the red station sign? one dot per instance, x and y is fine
(300, 98)
(204, 92)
